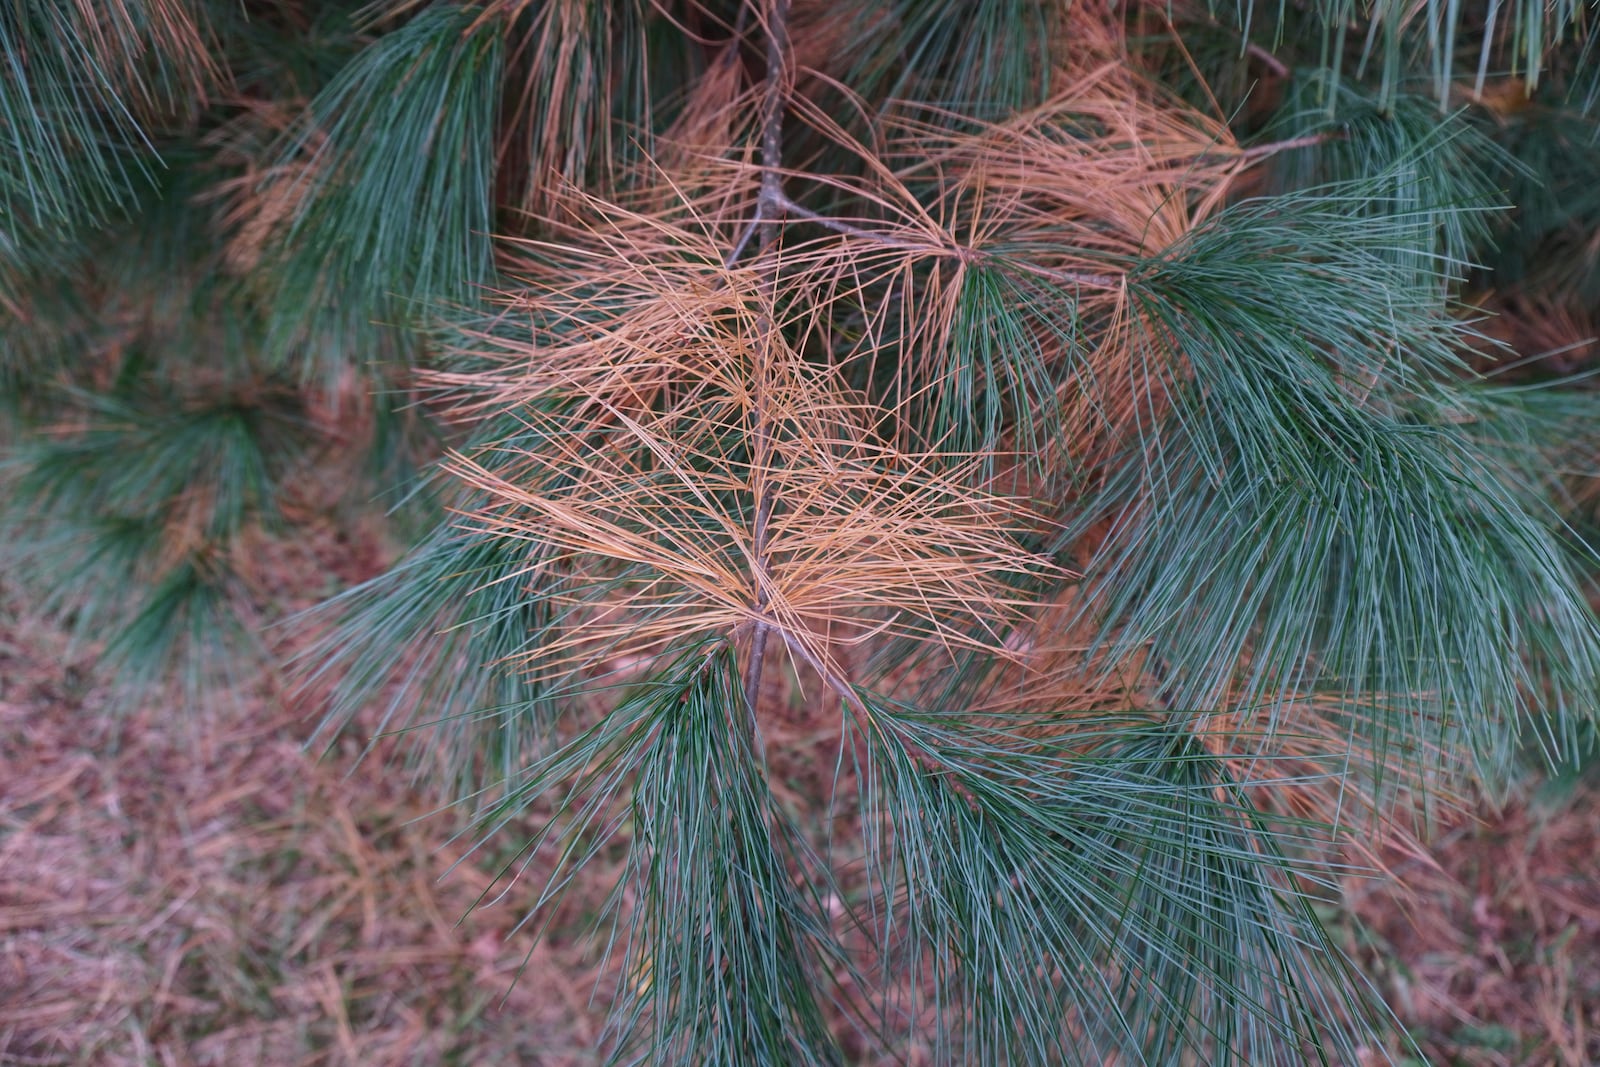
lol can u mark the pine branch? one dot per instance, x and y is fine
(1137, 529)
(768, 211)
(960, 254)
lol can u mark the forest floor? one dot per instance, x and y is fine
(187, 888)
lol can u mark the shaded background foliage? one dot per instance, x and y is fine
(1161, 431)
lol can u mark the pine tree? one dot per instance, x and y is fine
(1097, 411)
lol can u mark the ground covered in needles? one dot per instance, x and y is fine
(180, 888)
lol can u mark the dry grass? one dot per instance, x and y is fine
(182, 888)
(1488, 947)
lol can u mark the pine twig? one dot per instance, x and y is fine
(1310, 140)
(1277, 66)
(960, 252)
(769, 208)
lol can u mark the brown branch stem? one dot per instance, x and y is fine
(732, 258)
(1310, 140)
(1267, 59)
(768, 224)
(773, 204)
(962, 253)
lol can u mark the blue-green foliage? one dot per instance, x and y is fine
(394, 203)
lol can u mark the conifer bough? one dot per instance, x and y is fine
(981, 511)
